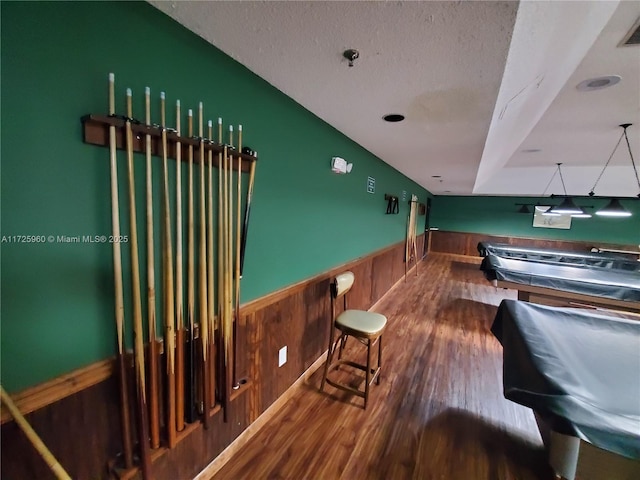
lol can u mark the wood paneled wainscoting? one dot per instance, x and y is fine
(77, 415)
(465, 243)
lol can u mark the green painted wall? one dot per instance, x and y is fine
(498, 216)
(57, 308)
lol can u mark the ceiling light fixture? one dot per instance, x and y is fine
(567, 207)
(598, 83)
(393, 117)
(614, 208)
(546, 211)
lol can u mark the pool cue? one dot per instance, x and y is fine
(222, 351)
(236, 385)
(180, 333)
(125, 416)
(154, 415)
(202, 271)
(225, 286)
(229, 268)
(406, 250)
(168, 294)
(138, 344)
(191, 351)
(210, 276)
(33, 437)
(247, 213)
(414, 206)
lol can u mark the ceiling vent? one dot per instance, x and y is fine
(633, 37)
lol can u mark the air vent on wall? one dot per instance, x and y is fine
(633, 37)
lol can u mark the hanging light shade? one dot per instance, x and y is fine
(581, 215)
(567, 207)
(524, 209)
(614, 209)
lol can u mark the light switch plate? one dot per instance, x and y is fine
(282, 356)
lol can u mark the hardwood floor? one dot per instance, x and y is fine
(438, 413)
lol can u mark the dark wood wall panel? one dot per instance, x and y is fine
(461, 243)
(82, 430)
(79, 431)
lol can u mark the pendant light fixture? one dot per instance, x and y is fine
(546, 211)
(567, 207)
(614, 208)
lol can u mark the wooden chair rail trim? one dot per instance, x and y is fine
(587, 244)
(273, 297)
(51, 391)
(41, 395)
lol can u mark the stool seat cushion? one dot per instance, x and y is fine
(368, 323)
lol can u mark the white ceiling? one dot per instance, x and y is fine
(478, 82)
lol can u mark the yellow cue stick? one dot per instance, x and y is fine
(210, 276)
(125, 416)
(138, 345)
(237, 261)
(169, 300)
(33, 437)
(179, 298)
(154, 415)
(202, 271)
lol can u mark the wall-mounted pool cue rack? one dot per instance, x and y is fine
(96, 132)
(218, 368)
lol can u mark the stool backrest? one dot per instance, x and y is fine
(342, 284)
(339, 287)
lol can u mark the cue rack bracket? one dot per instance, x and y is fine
(96, 132)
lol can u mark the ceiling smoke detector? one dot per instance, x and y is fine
(351, 55)
(598, 83)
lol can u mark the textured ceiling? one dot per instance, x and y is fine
(478, 82)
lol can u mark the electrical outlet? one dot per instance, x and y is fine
(282, 356)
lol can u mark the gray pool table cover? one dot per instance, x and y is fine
(600, 282)
(579, 370)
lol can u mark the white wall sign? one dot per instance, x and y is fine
(546, 221)
(371, 185)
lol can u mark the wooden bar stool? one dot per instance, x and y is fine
(366, 327)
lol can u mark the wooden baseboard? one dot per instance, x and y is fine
(242, 439)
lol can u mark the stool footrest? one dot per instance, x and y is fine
(375, 372)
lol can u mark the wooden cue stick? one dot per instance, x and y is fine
(221, 281)
(413, 234)
(33, 437)
(406, 249)
(125, 416)
(202, 270)
(180, 334)
(154, 415)
(236, 384)
(210, 277)
(168, 297)
(191, 353)
(226, 331)
(247, 213)
(138, 344)
(229, 268)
